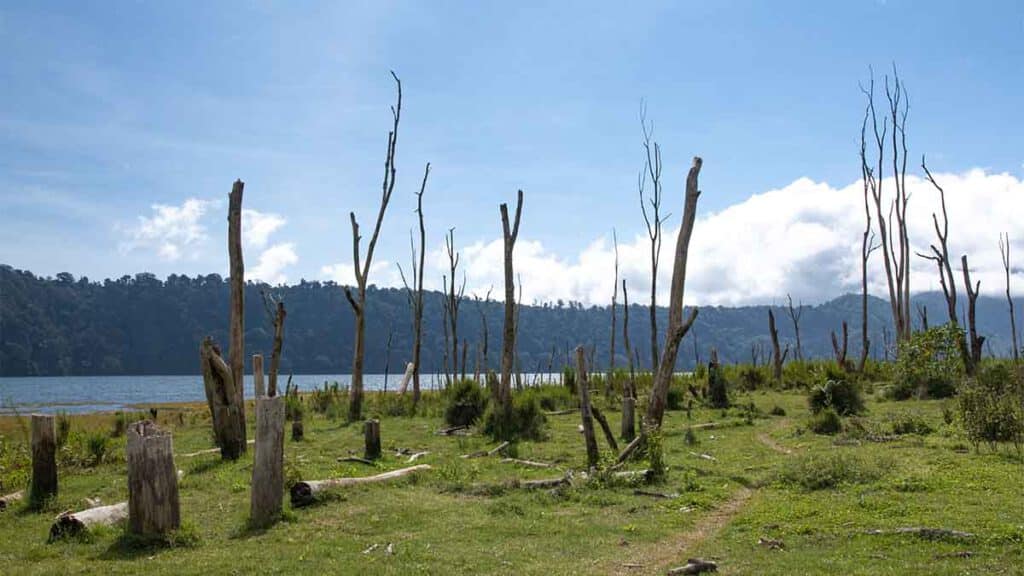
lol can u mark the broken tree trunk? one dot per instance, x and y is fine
(44, 459)
(510, 232)
(371, 431)
(677, 327)
(593, 456)
(976, 342)
(268, 462)
(694, 566)
(410, 368)
(275, 355)
(222, 398)
(305, 493)
(840, 349)
(777, 356)
(153, 504)
(6, 501)
(236, 358)
(628, 418)
(257, 376)
(298, 432)
(75, 523)
(605, 428)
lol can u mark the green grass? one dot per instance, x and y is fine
(441, 522)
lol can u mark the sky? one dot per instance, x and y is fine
(124, 124)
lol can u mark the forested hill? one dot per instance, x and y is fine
(142, 325)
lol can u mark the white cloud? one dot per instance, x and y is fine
(171, 230)
(803, 239)
(271, 263)
(382, 274)
(258, 226)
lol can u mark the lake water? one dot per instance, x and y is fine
(103, 393)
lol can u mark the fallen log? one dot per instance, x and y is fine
(925, 533)
(491, 452)
(561, 412)
(454, 430)
(529, 463)
(662, 495)
(418, 455)
(11, 499)
(629, 450)
(605, 427)
(75, 523)
(544, 483)
(694, 566)
(357, 459)
(704, 456)
(305, 493)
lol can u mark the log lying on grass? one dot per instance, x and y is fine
(11, 499)
(694, 566)
(75, 523)
(305, 493)
(491, 452)
(528, 463)
(926, 533)
(453, 431)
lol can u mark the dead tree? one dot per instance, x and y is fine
(593, 456)
(153, 502)
(387, 355)
(922, 314)
(653, 220)
(1004, 251)
(485, 336)
(508, 341)
(615, 297)
(940, 255)
(220, 385)
(268, 461)
(453, 299)
(794, 315)
(275, 310)
(236, 353)
(778, 356)
(677, 327)
(892, 228)
(840, 348)
(415, 293)
(44, 459)
(358, 301)
(867, 246)
(628, 391)
(976, 342)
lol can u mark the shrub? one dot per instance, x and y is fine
(752, 378)
(843, 396)
(63, 428)
(553, 398)
(524, 421)
(777, 411)
(657, 469)
(331, 399)
(992, 407)
(98, 445)
(929, 364)
(569, 378)
(905, 422)
(826, 421)
(674, 400)
(829, 470)
(466, 403)
(718, 388)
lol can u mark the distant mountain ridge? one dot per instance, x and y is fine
(142, 325)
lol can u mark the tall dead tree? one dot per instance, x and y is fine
(778, 356)
(976, 342)
(615, 297)
(677, 327)
(220, 386)
(453, 299)
(840, 348)
(940, 255)
(586, 415)
(892, 227)
(276, 312)
(236, 353)
(1004, 251)
(358, 302)
(510, 232)
(628, 388)
(485, 336)
(867, 246)
(653, 219)
(794, 315)
(415, 293)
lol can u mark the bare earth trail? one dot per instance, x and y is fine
(658, 557)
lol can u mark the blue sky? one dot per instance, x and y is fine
(110, 108)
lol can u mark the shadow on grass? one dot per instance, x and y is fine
(132, 546)
(203, 466)
(249, 530)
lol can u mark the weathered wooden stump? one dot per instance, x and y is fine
(298, 432)
(628, 418)
(593, 456)
(268, 464)
(75, 523)
(257, 375)
(44, 458)
(223, 399)
(371, 430)
(153, 505)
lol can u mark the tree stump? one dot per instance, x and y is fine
(153, 505)
(222, 398)
(593, 456)
(371, 429)
(257, 375)
(44, 458)
(628, 418)
(298, 432)
(268, 464)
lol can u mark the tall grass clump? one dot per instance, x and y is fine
(465, 404)
(828, 470)
(929, 365)
(991, 406)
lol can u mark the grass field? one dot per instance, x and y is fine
(745, 480)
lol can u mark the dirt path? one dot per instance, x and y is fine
(658, 557)
(771, 443)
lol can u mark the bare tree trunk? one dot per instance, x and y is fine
(593, 456)
(153, 504)
(236, 357)
(508, 341)
(415, 293)
(794, 315)
(268, 462)
(840, 350)
(778, 357)
(387, 357)
(306, 492)
(977, 342)
(257, 376)
(653, 220)
(465, 351)
(867, 246)
(676, 328)
(219, 383)
(629, 391)
(454, 300)
(611, 345)
(44, 459)
(275, 355)
(358, 302)
(371, 432)
(1004, 251)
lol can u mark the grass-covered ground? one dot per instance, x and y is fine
(816, 497)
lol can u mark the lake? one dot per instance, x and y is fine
(103, 393)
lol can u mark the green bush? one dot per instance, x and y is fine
(674, 400)
(906, 422)
(98, 445)
(992, 406)
(752, 378)
(828, 470)
(63, 428)
(466, 403)
(524, 421)
(929, 365)
(777, 411)
(843, 396)
(552, 398)
(718, 388)
(332, 400)
(826, 421)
